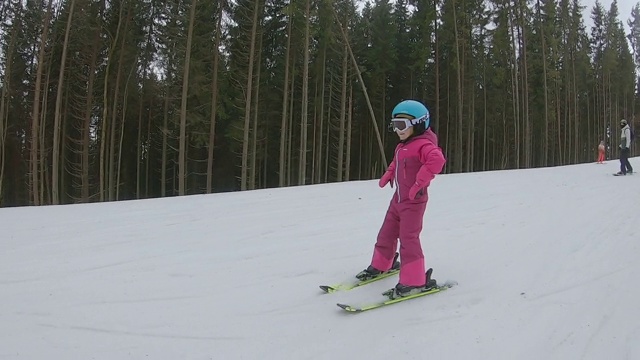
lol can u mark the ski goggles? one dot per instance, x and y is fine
(401, 124)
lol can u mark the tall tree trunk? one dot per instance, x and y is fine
(321, 120)
(546, 136)
(485, 116)
(56, 126)
(285, 106)
(182, 152)
(327, 146)
(254, 141)
(349, 126)
(214, 100)
(525, 85)
(4, 108)
(459, 93)
(148, 152)
(314, 134)
(305, 100)
(289, 159)
(515, 88)
(139, 142)
(120, 146)
(35, 125)
(247, 107)
(86, 128)
(343, 109)
(105, 113)
(165, 132)
(45, 181)
(114, 116)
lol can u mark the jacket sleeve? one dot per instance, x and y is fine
(392, 165)
(432, 161)
(627, 135)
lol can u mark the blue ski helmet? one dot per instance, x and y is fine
(414, 108)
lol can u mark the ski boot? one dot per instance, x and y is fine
(404, 290)
(371, 272)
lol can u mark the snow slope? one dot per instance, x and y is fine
(546, 261)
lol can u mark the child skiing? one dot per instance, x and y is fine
(601, 152)
(417, 159)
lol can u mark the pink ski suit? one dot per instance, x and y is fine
(415, 164)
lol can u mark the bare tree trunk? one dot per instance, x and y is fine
(460, 91)
(314, 134)
(214, 100)
(285, 106)
(328, 134)
(289, 159)
(515, 88)
(576, 120)
(485, 116)
(124, 113)
(321, 121)
(35, 134)
(247, 108)
(525, 84)
(449, 144)
(560, 160)
(546, 137)
(349, 126)
(45, 185)
(305, 100)
(165, 132)
(471, 132)
(343, 107)
(139, 142)
(505, 142)
(86, 129)
(254, 142)
(182, 152)
(4, 113)
(105, 102)
(114, 116)
(149, 147)
(56, 127)
(63, 145)
(145, 65)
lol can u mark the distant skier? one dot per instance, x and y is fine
(625, 149)
(601, 151)
(417, 159)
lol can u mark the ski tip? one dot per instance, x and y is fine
(348, 308)
(327, 289)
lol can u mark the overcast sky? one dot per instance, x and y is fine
(624, 9)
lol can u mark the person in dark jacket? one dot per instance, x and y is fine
(625, 149)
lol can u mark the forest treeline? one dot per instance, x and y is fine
(128, 99)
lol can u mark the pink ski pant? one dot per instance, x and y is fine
(403, 221)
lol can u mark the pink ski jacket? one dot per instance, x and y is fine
(416, 162)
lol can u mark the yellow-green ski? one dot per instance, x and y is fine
(376, 305)
(349, 286)
(354, 284)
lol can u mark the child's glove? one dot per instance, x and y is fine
(415, 189)
(386, 179)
